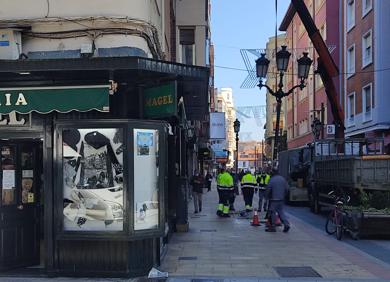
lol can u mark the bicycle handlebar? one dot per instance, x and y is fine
(337, 198)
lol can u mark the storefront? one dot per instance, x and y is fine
(86, 179)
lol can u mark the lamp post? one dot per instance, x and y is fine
(282, 59)
(236, 126)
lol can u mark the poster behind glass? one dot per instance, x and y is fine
(146, 202)
(93, 179)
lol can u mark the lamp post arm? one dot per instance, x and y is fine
(300, 86)
(261, 84)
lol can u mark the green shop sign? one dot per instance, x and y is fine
(160, 101)
(62, 99)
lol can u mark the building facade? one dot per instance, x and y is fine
(366, 45)
(224, 102)
(99, 98)
(250, 155)
(310, 103)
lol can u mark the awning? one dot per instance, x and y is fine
(62, 99)
(192, 81)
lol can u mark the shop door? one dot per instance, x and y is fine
(20, 173)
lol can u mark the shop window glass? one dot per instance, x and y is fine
(146, 170)
(93, 179)
(8, 167)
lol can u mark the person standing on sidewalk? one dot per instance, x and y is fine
(235, 193)
(209, 179)
(278, 188)
(248, 185)
(197, 183)
(262, 181)
(225, 188)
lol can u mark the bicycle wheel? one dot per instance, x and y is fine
(330, 226)
(339, 226)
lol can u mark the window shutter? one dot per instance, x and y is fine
(187, 36)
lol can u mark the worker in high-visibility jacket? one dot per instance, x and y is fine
(262, 182)
(248, 185)
(225, 187)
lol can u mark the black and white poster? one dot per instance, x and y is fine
(93, 179)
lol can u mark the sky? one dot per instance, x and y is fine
(242, 24)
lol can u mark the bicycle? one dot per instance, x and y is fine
(335, 221)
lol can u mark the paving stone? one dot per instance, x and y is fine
(232, 248)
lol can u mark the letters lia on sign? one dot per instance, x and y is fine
(7, 102)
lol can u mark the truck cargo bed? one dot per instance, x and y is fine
(368, 172)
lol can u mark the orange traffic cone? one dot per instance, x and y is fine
(255, 220)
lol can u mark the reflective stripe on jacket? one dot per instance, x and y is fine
(248, 181)
(225, 181)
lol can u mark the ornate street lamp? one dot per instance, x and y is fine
(262, 64)
(316, 128)
(282, 59)
(236, 126)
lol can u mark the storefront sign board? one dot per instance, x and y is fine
(62, 99)
(217, 125)
(161, 101)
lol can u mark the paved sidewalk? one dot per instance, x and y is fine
(230, 247)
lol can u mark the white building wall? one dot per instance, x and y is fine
(106, 23)
(225, 95)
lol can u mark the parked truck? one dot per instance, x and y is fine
(358, 168)
(294, 165)
(362, 172)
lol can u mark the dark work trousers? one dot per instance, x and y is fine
(232, 198)
(208, 185)
(263, 199)
(277, 206)
(248, 196)
(225, 196)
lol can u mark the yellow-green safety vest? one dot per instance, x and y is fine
(264, 179)
(225, 181)
(248, 181)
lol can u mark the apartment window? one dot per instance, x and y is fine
(351, 109)
(301, 29)
(367, 49)
(187, 45)
(301, 129)
(367, 102)
(289, 133)
(351, 61)
(350, 14)
(318, 81)
(289, 103)
(366, 7)
(318, 4)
